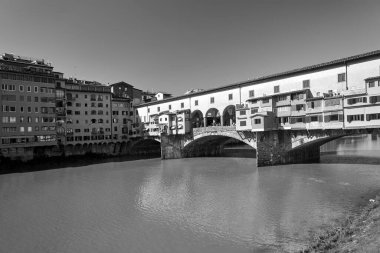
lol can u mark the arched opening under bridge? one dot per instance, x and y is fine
(213, 117)
(146, 147)
(218, 145)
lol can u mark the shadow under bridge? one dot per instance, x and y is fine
(225, 144)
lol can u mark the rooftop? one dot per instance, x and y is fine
(26, 60)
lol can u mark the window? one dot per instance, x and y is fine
(306, 84)
(254, 110)
(36, 109)
(371, 84)
(359, 117)
(374, 116)
(229, 96)
(29, 89)
(276, 89)
(22, 129)
(158, 108)
(334, 117)
(243, 112)
(196, 102)
(182, 105)
(21, 88)
(314, 118)
(265, 100)
(341, 77)
(148, 110)
(251, 93)
(35, 89)
(170, 107)
(36, 99)
(300, 107)
(212, 100)
(29, 129)
(243, 123)
(257, 121)
(353, 101)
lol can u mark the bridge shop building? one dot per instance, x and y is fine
(308, 106)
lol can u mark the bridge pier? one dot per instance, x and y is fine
(275, 148)
(172, 146)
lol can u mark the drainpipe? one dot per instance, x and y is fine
(346, 76)
(239, 94)
(344, 115)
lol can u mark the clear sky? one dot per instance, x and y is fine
(176, 45)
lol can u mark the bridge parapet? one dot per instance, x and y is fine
(212, 129)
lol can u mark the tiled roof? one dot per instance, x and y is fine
(372, 78)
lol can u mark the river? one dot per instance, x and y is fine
(221, 204)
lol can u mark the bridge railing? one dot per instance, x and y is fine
(200, 130)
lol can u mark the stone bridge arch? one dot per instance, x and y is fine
(211, 141)
(230, 134)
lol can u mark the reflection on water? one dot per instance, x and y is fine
(363, 145)
(357, 149)
(187, 205)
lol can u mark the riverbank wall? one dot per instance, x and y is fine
(15, 157)
(358, 233)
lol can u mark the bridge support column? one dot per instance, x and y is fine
(275, 148)
(172, 146)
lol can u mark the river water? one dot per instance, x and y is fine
(189, 205)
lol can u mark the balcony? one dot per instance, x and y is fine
(298, 125)
(298, 113)
(60, 111)
(283, 102)
(283, 113)
(314, 110)
(354, 91)
(297, 101)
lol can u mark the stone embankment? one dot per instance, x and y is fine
(360, 233)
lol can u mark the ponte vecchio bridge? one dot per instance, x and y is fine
(284, 117)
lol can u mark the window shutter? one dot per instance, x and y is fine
(327, 118)
(320, 118)
(340, 117)
(294, 108)
(364, 99)
(307, 119)
(367, 117)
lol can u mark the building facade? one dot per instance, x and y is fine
(27, 98)
(88, 112)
